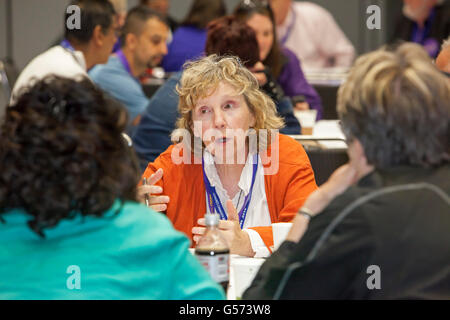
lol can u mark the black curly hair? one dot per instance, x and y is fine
(62, 153)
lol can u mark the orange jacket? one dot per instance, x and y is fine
(286, 191)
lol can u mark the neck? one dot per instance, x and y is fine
(229, 175)
(136, 69)
(88, 53)
(363, 169)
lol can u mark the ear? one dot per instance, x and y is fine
(97, 36)
(253, 121)
(131, 41)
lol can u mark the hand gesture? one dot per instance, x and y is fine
(152, 193)
(238, 241)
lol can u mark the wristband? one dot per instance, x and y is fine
(307, 213)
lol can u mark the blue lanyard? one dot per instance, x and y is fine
(214, 200)
(66, 44)
(124, 61)
(291, 26)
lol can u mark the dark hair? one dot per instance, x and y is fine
(275, 60)
(63, 153)
(396, 103)
(229, 36)
(92, 13)
(203, 12)
(135, 20)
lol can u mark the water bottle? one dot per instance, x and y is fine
(213, 253)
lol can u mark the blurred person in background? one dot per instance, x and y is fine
(121, 8)
(143, 39)
(70, 226)
(278, 63)
(378, 228)
(226, 36)
(426, 22)
(189, 39)
(312, 34)
(81, 49)
(443, 59)
(162, 6)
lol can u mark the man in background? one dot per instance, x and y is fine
(81, 49)
(312, 33)
(162, 6)
(143, 41)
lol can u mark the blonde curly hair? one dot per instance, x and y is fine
(202, 77)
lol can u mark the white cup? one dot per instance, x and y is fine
(307, 119)
(280, 231)
(244, 271)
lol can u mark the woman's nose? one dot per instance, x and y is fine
(219, 120)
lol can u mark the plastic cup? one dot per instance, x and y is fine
(307, 119)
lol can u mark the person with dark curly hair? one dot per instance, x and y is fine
(70, 226)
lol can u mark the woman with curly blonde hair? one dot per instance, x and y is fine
(230, 159)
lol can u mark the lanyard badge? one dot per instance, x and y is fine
(214, 201)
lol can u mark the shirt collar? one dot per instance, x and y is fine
(245, 180)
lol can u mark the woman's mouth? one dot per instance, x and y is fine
(222, 140)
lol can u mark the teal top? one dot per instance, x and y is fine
(135, 254)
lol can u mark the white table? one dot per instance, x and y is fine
(246, 267)
(323, 130)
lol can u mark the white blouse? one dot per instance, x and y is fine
(258, 212)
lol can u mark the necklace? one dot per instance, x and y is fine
(239, 200)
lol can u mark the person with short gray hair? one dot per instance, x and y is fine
(378, 228)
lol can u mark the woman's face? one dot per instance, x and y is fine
(264, 33)
(222, 120)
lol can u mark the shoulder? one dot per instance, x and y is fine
(177, 163)
(292, 152)
(144, 227)
(111, 68)
(292, 62)
(289, 54)
(306, 8)
(167, 91)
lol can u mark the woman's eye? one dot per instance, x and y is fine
(228, 106)
(203, 110)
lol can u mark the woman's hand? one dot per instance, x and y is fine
(257, 71)
(339, 181)
(301, 106)
(238, 241)
(156, 201)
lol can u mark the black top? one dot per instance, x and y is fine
(395, 245)
(439, 28)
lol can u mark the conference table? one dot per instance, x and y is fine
(326, 148)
